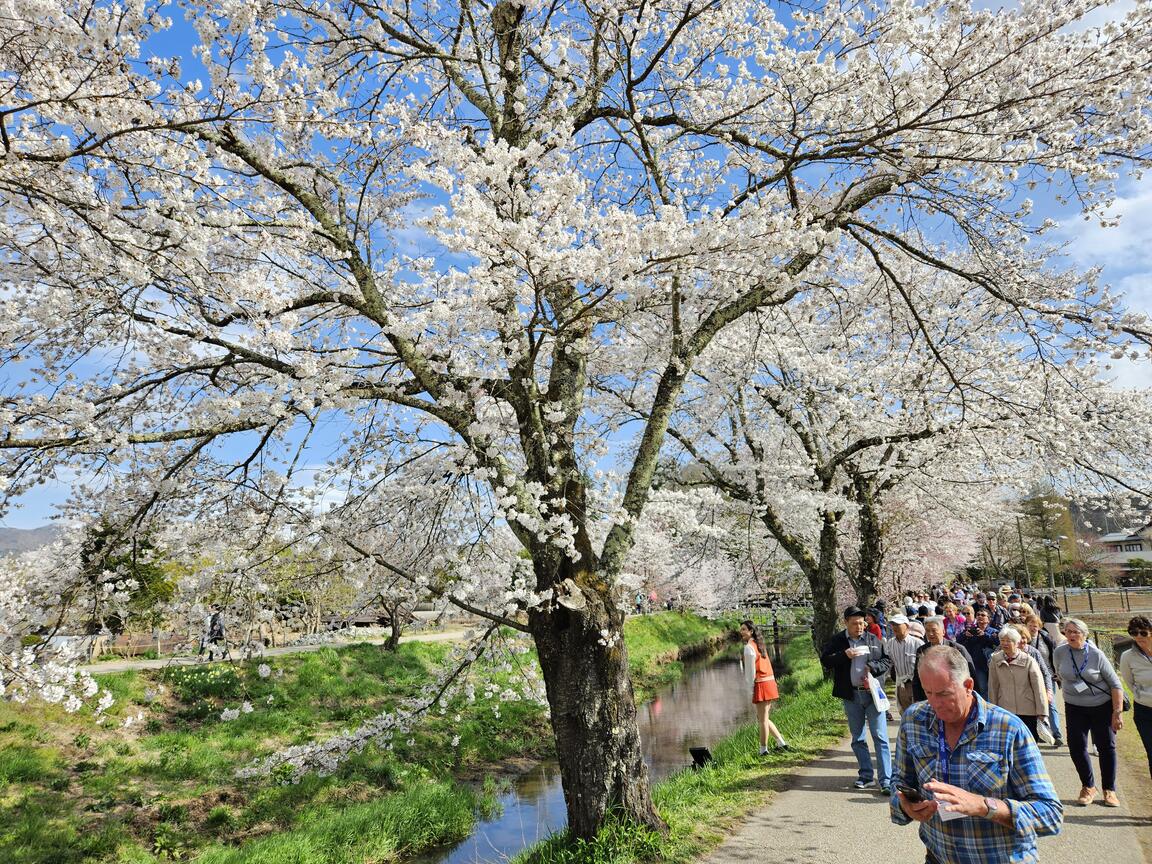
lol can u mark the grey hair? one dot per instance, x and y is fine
(935, 619)
(945, 658)
(1010, 633)
(1078, 624)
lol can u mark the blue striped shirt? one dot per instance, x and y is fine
(995, 757)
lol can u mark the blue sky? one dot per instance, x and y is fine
(1125, 254)
(1122, 252)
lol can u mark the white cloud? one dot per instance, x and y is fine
(1137, 290)
(1129, 374)
(1116, 246)
(1124, 251)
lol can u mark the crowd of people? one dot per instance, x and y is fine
(975, 677)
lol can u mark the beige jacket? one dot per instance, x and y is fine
(1017, 685)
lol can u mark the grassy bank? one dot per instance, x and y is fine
(700, 806)
(164, 787)
(657, 642)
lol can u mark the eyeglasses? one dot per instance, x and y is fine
(1139, 633)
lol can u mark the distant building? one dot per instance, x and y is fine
(1120, 547)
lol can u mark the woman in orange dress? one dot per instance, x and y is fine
(759, 676)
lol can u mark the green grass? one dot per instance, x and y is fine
(21, 763)
(653, 641)
(383, 830)
(47, 831)
(699, 807)
(74, 792)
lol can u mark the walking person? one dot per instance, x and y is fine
(954, 622)
(854, 655)
(214, 639)
(882, 618)
(985, 794)
(934, 635)
(1093, 704)
(1051, 616)
(761, 680)
(902, 648)
(1136, 671)
(1045, 647)
(1015, 682)
(980, 639)
(997, 613)
(872, 623)
(1028, 648)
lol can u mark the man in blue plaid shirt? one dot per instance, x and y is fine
(985, 793)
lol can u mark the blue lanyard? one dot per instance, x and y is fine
(943, 755)
(944, 752)
(1079, 668)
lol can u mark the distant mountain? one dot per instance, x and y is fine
(27, 539)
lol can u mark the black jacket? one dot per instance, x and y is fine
(832, 657)
(981, 645)
(917, 690)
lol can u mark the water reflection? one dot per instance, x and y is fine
(707, 704)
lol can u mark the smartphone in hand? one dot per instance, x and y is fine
(911, 794)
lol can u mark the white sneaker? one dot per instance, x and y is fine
(864, 784)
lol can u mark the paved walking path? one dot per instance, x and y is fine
(192, 660)
(820, 819)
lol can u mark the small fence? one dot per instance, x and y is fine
(779, 626)
(1111, 643)
(1093, 600)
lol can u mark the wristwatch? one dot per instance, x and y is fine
(993, 806)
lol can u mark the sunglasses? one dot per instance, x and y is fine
(1139, 633)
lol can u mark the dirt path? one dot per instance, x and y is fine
(819, 818)
(131, 665)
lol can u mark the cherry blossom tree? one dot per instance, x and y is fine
(926, 541)
(469, 233)
(694, 548)
(938, 402)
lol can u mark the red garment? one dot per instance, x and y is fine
(874, 629)
(764, 687)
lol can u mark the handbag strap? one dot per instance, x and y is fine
(1106, 691)
(1077, 668)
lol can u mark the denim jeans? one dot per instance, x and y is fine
(1054, 718)
(863, 718)
(1142, 717)
(981, 680)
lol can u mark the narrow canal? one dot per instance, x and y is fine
(706, 705)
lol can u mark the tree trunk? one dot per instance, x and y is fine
(822, 582)
(867, 581)
(593, 714)
(397, 628)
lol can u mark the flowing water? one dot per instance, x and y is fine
(706, 705)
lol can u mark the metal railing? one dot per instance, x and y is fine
(1093, 600)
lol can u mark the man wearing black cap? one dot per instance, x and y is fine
(853, 655)
(997, 614)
